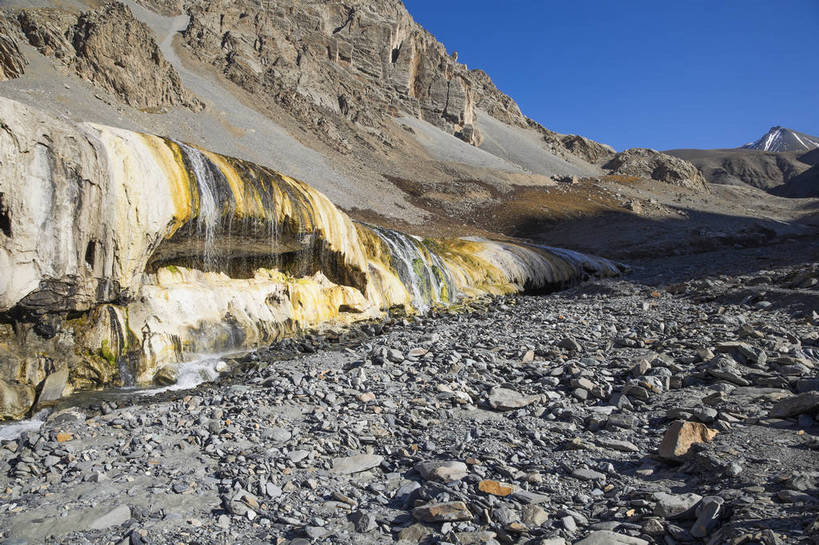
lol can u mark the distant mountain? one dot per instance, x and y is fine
(782, 139)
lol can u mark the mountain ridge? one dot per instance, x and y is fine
(780, 138)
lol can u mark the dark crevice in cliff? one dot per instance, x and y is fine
(5, 218)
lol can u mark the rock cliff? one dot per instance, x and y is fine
(125, 251)
(12, 62)
(110, 48)
(359, 61)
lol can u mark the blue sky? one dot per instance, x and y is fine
(697, 74)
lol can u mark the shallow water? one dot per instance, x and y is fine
(9, 432)
(192, 373)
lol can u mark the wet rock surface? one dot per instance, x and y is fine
(412, 430)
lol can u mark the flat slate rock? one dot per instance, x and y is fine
(450, 511)
(805, 403)
(356, 464)
(605, 537)
(504, 399)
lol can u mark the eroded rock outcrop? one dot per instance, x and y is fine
(359, 61)
(587, 149)
(130, 251)
(12, 62)
(648, 163)
(113, 50)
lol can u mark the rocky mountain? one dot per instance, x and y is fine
(286, 240)
(772, 163)
(12, 62)
(348, 97)
(765, 170)
(110, 48)
(361, 61)
(782, 139)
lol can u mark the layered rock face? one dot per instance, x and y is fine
(361, 61)
(110, 48)
(647, 163)
(125, 251)
(12, 62)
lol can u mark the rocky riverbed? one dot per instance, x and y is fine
(665, 407)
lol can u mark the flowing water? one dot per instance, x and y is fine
(193, 373)
(202, 369)
(420, 269)
(9, 432)
(208, 183)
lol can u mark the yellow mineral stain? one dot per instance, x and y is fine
(169, 159)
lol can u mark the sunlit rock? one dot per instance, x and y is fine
(124, 252)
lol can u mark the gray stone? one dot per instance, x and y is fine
(588, 475)
(272, 490)
(504, 399)
(671, 505)
(605, 537)
(805, 403)
(709, 512)
(363, 521)
(444, 471)
(529, 498)
(297, 456)
(534, 515)
(356, 464)
(52, 389)
(278, 435)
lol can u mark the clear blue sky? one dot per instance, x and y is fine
(659, 74)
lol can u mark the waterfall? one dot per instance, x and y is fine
(210, 184)
(420, 269)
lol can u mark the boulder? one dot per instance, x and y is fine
(356, 463)
(681, 435)
(606, 537)
(442, 512)
(504, 399)
(52, 388)
(671, 505)
(15, 399)
(442, 471)
(804, 403)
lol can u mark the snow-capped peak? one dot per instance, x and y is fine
(782, 139)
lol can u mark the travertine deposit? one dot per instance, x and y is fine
(133, 251)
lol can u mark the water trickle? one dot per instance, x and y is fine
(419, 268)
(9, 432)
(192, 374)
(211, 187)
